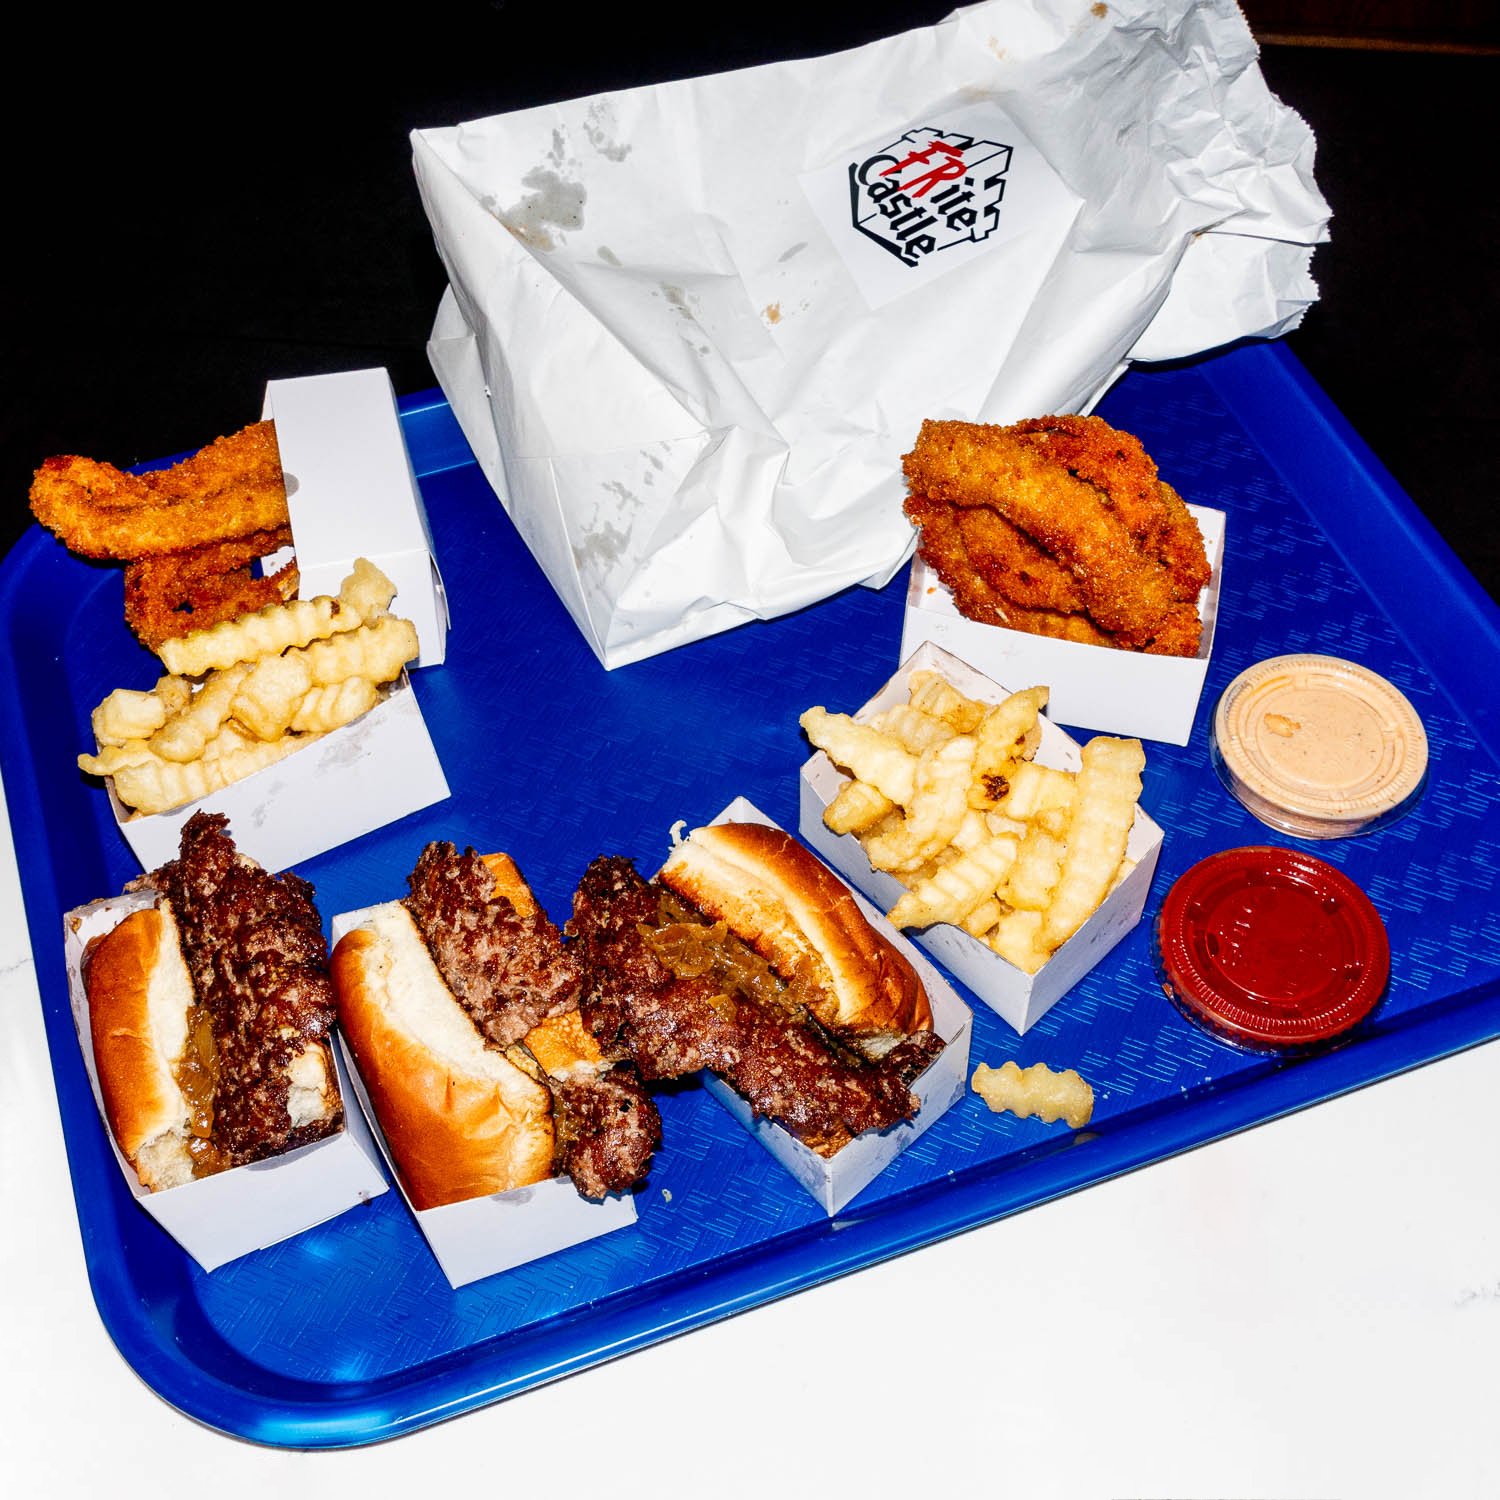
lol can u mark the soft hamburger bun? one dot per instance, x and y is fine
(794, 911)
(139, 998)
(141, 1011)
(462, 1120)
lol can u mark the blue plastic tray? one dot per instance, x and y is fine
(349, 1333)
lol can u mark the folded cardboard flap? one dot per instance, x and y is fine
(352, 492)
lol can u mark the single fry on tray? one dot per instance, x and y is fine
(1036, 1090)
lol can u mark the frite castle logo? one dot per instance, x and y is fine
(928, 191)
(930, 197)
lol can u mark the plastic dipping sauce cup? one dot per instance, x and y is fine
(1271, 949)
(1318, 747)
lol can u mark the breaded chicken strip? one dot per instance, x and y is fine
(1013, 565)
(228, 489)
(1114, 462)
(1124, 591)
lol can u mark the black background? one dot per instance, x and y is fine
(204, 200)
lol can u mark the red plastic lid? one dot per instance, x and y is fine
(1271, 948)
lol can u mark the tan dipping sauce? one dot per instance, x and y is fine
(1318, 747)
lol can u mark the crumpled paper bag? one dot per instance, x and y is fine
(691, 328)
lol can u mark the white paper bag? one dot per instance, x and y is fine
(691, 328)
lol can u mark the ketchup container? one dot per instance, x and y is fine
(1271, 949)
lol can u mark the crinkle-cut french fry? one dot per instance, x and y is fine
(972, 832)
(1037, 870)
(184, 736)
(367, 591)
(934, 812)
(856, 808)
(113, 758)
(999, 823)
(868, 754)
(982, 918)
(130, 714)
(915, 730)
(278, 626)
(958, 888)
(1014, 938)
(377, 651)
(914, 877)
(1109, 786)
(334, 705)
(1037, 790)
(263, 633)
(227, 741)
(269, 697)
(270, 693)
(1008, 736)
(1038, 1091)
(159, 785)
(931, 693)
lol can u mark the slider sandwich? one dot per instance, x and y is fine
(748, 957)
(210, 1014)
(460, 1004)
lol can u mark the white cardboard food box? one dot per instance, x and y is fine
(833, 1181)
(1019, 998)
(220, 1218)
(356, 778)
(483, 1236)
(1093, 687)
(351, 492)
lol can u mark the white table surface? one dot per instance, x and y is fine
(1309, 1309)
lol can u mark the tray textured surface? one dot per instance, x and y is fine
(349, 1333)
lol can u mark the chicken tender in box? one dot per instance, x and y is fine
(297, 719)
(1052, 551)
(1018, 857)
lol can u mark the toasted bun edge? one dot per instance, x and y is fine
(460, 1119)
(139, 994)
(792, 909)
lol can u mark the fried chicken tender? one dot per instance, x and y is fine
(176, 593)
(230, 488)
(985, 584)
(1013, 565)
(1110, 460)
(942, 548)
(1058, 526)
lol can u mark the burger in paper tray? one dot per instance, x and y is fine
(1020, 857)
(504, 1065)
(510, 1131)
(821, 1029)
(204, 1011)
